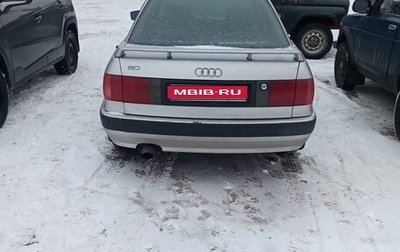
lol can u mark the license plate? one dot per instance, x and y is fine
(207, 93)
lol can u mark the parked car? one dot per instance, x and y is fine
(309, 23)
(208, 76)
(33, 36)
(369, 46)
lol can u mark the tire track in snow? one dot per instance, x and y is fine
(347, 178)
(289, 167)
(154, 175)
(159, 168)
(329, 239)
(335, 221)
(380, 118)
(116, 160)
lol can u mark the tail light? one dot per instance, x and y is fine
(112, 87)
(290, 92)
(126, 89)
(304, 92)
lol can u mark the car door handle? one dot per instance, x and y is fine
(392, 27)
(60, 4)
(38, 18)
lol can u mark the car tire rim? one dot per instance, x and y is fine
(4, 101)
(342, 66)
(314, 41)
(71, 54)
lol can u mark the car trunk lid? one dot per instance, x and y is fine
(212, 83)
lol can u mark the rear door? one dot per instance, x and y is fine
(394, 63)
(26, 38)
(53, 19)
(20, 28)
(376, 39)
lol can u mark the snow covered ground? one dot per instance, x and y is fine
(64, 187)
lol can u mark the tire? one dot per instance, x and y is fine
(346, 75)
(397, 117)
(4, 99)
(69, 63)
(314, 40)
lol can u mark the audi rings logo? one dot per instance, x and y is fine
(208, 72)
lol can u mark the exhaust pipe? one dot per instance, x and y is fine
(147, 151)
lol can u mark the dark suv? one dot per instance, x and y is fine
(369, 46)
(35, 34)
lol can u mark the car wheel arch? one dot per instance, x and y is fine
(342, 38)
(307, 19)
(4, 70)
(71, 25)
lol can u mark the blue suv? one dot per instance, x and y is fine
(369, 46)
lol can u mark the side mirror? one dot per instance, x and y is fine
(361, 6)
(134, 14)
(6, 4)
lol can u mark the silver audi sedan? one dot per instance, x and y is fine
(210, 76)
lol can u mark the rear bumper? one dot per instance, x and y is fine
(208, 136)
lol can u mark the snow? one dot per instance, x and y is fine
(63, 187)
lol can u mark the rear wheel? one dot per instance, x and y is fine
(397, 116)
(69, 63)
(4, 99)
(346, 75)
(314, 40)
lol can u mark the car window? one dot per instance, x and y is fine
(234, 23)
(391, 6)
(386, 6)
(396, 7)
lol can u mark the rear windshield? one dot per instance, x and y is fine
(228, 23)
